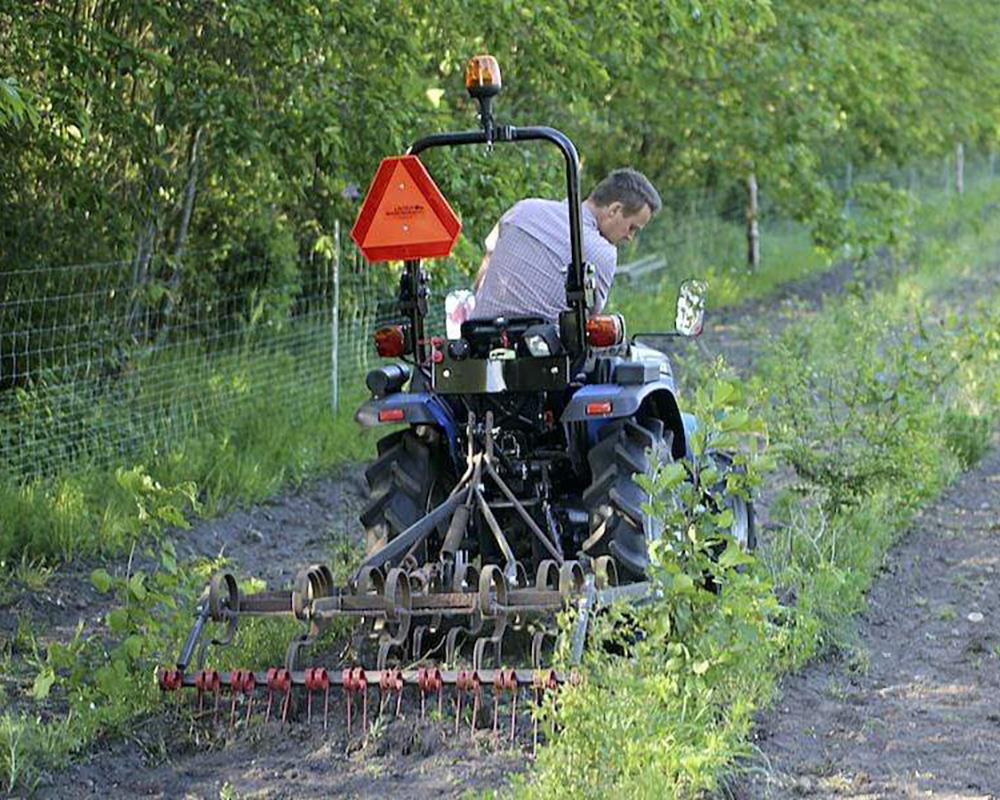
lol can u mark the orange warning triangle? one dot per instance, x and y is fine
(404, 215)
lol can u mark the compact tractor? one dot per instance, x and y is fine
(506, 492)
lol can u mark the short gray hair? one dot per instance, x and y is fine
(630, 188)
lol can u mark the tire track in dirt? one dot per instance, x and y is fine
(915, 711)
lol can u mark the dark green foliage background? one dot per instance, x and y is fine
(293, 104)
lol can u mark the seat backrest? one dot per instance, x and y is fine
(484, 335)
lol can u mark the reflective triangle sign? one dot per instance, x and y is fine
(404, 215)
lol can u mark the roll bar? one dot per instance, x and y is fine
(576, 295)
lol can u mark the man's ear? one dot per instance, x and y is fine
(615, 208)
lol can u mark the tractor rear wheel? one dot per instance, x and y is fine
(618, 525)
(406, 481)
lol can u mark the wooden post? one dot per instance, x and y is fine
(959, 168)
(753, 227)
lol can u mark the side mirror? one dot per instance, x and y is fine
(691, 307)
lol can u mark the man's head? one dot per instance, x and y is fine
(623, 203)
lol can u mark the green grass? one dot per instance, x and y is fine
(245, 437)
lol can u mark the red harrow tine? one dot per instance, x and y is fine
(468, 681)
(208, 680)
(317, 679)
(504, 681)
(542, 681)
(241, 681)
(171, 680)
(279, 680)
(355, 680)
(390, 680)
(429, 680)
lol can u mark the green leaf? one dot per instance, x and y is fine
(700, 667)
(137, 586)
(683, 584)
(101, 580)
(133, 646)
(43, 683)
(118, 620)
(733, 556)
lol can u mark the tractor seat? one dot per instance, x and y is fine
(485, 335)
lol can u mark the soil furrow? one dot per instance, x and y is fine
(912, 711)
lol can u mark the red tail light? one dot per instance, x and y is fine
(605, 330)
(390, 341)
(599, 409)
(391, 415)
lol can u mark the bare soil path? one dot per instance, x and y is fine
(915, 711)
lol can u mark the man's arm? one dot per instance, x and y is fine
(490, 243)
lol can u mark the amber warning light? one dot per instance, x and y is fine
(482, 76)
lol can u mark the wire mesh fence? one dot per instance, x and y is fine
(105, 363)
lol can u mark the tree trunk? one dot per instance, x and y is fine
(180, 240)
(753, 226)
(145, 243)
(959, 168)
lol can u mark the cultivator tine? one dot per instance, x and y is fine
(468, 681)
(317, 679)
(208, 680)
(241, 681)
(281, 682)
(504, 681)
(278, 680)
(429, 680)
(542, 681)
(390, 681)
(356, 681)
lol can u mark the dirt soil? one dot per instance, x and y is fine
(167, 756)
(913, 712)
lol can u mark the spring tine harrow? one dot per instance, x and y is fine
(447, 607)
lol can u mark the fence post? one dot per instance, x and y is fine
(959, 168)
(753, 227)
(335, 321)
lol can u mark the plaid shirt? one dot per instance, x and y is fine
(526, 276)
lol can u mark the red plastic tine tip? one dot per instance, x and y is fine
(477, 692)
(513, 713)
(397, 687)
(269, 681)
(347, 681)
(326, 706)
(422, 684)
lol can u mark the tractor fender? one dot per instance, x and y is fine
(657, 398)
(419, 408)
